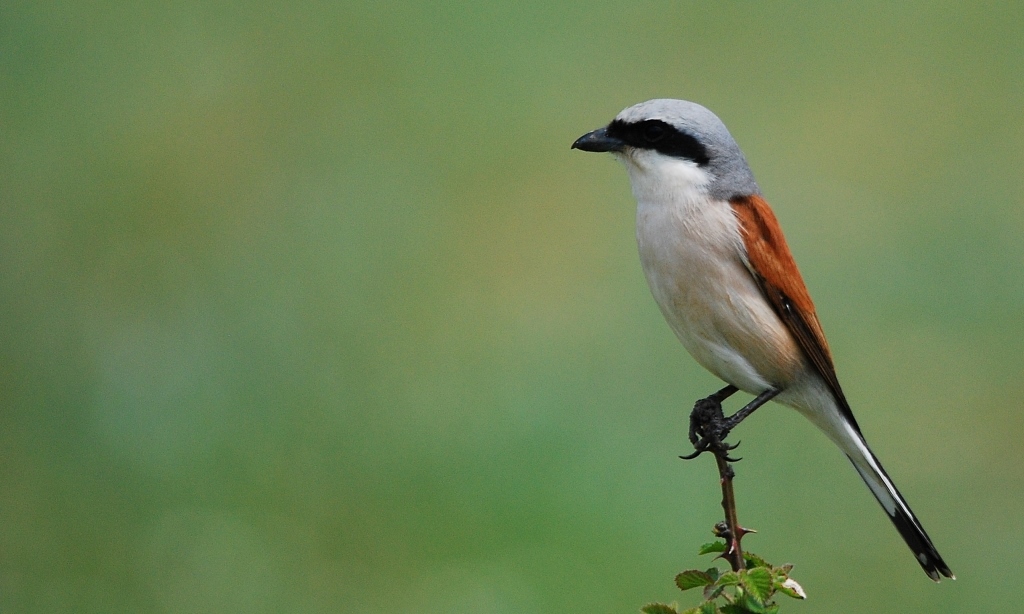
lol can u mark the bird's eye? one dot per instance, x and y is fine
(654, 132)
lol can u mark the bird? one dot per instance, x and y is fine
(724, 278)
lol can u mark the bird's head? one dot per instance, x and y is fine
(672, 144)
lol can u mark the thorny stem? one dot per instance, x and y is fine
(732, 532)
(708, 429)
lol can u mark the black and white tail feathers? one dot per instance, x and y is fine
(896, 507)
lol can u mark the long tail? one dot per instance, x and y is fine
(895, 506)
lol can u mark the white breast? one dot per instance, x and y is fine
(692, 253)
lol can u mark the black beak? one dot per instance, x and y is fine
(598, 141)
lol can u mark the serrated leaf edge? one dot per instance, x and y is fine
(658, 608)
(758, 582)
(696, 577)
(729, 578)
(708, 548)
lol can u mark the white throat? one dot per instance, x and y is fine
(660, 180)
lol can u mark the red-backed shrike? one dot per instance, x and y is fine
(723, 276)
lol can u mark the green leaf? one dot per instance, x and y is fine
(710, 547)
(692, 578)
(729, 578)
(712, 592)
(792, 588)
(758, 582)
(709, 607)
(784, 569)
(713, 572)
(749, 604)
(658, 608)
(733, 608)
(695, 610)
(755, 561)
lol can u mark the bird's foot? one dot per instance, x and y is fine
(709, 427)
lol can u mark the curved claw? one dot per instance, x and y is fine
(703, 445)
(700, 447)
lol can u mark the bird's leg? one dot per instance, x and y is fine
(749, 408)
(709, 427)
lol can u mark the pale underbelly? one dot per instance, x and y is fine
(721, 318)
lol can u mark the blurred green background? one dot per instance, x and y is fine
(312, 309)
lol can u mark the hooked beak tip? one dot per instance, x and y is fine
(598, 141)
